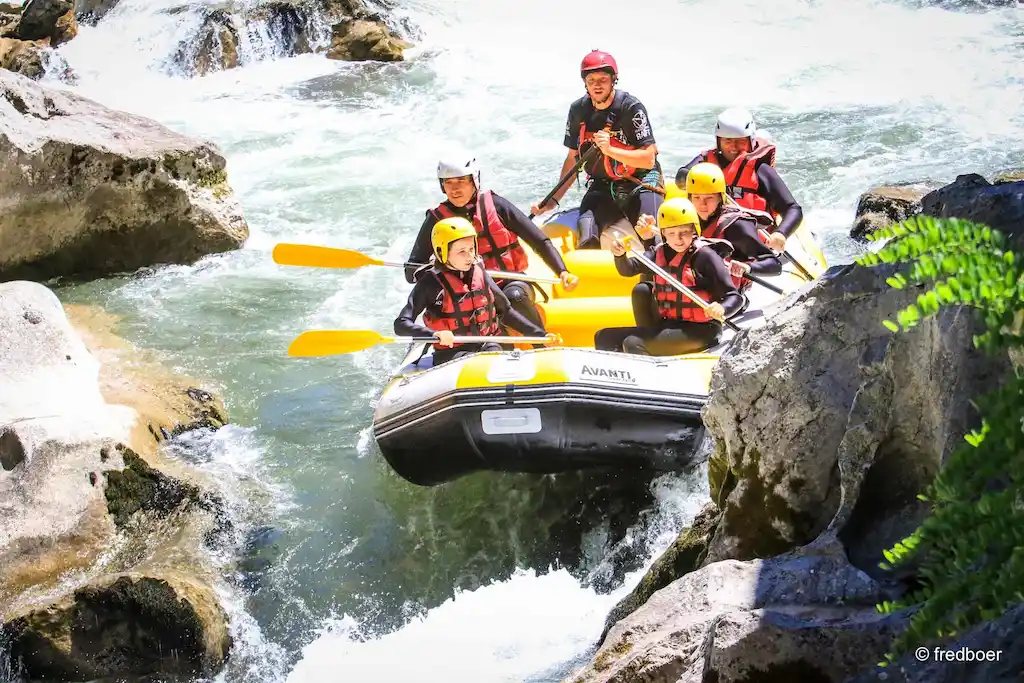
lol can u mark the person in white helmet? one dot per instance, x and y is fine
(748, 163)
(499, 225)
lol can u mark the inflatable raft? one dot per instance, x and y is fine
(557, 409)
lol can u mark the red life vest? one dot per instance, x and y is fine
(673, 304)
(464, 309)
(741, 175)
(616, 170)
(498, 246)
(730, 214)
(726, 217)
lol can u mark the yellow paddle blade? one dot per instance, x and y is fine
(334, 342)
(321, 257)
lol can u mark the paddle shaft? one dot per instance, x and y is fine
(764, 283)
(571, 173)
(479, 340)
(499, 274)
(689, 293)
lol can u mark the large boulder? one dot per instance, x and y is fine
(826, 420)
(86, 498)
(363, 40)
(972, 197)
(882, 206)
(805, 616)
(89, 190)
(25, 57)
(124, 625)
(50, 20)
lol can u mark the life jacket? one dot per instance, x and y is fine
(497, 245)
(728, 215)
(463, 309)
(741, 174)
(616, 170)
(673, 304)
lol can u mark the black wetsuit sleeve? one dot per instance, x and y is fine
(510, 316)
(713, 277)
(517, 222)
(421, 249)
(631, 267)
(423, 294)
(748, 248)
(683, 170)
(779, 198)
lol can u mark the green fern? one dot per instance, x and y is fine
(971, 547)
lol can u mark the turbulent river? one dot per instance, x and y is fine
(346, 571)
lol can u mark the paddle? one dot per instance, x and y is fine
(330, 257)
(571, 173)
(764, 283)
(687, 292)
(333, 342)
(785, 252)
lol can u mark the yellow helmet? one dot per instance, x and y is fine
(677, 212)
(673, 190)
(447, 231)
(706, 178)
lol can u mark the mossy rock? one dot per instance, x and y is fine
(686, 554)
(132, 626)
(141, 488)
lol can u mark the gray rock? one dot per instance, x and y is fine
(79, 509)
(882, 206)
(89, 190)
(805, 616)
(826, 420)
(973, 198)
(998, 642)
(51, 20)
(25, 57)
(362, 40)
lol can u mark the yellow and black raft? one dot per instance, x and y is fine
(551, 410)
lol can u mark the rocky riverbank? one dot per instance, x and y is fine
(827, 427)
(345, 30)
(104, 541)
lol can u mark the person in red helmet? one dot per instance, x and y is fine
(625, 179)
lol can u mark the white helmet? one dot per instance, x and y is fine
(448, 168)
(735, 122)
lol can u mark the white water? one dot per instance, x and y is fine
(856, 94)
(523, 629)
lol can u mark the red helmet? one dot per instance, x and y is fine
(596, 60)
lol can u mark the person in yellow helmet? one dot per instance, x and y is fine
(748, 164)
(501, 231)
(682, 326)
(457, 297)
(720, 218)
